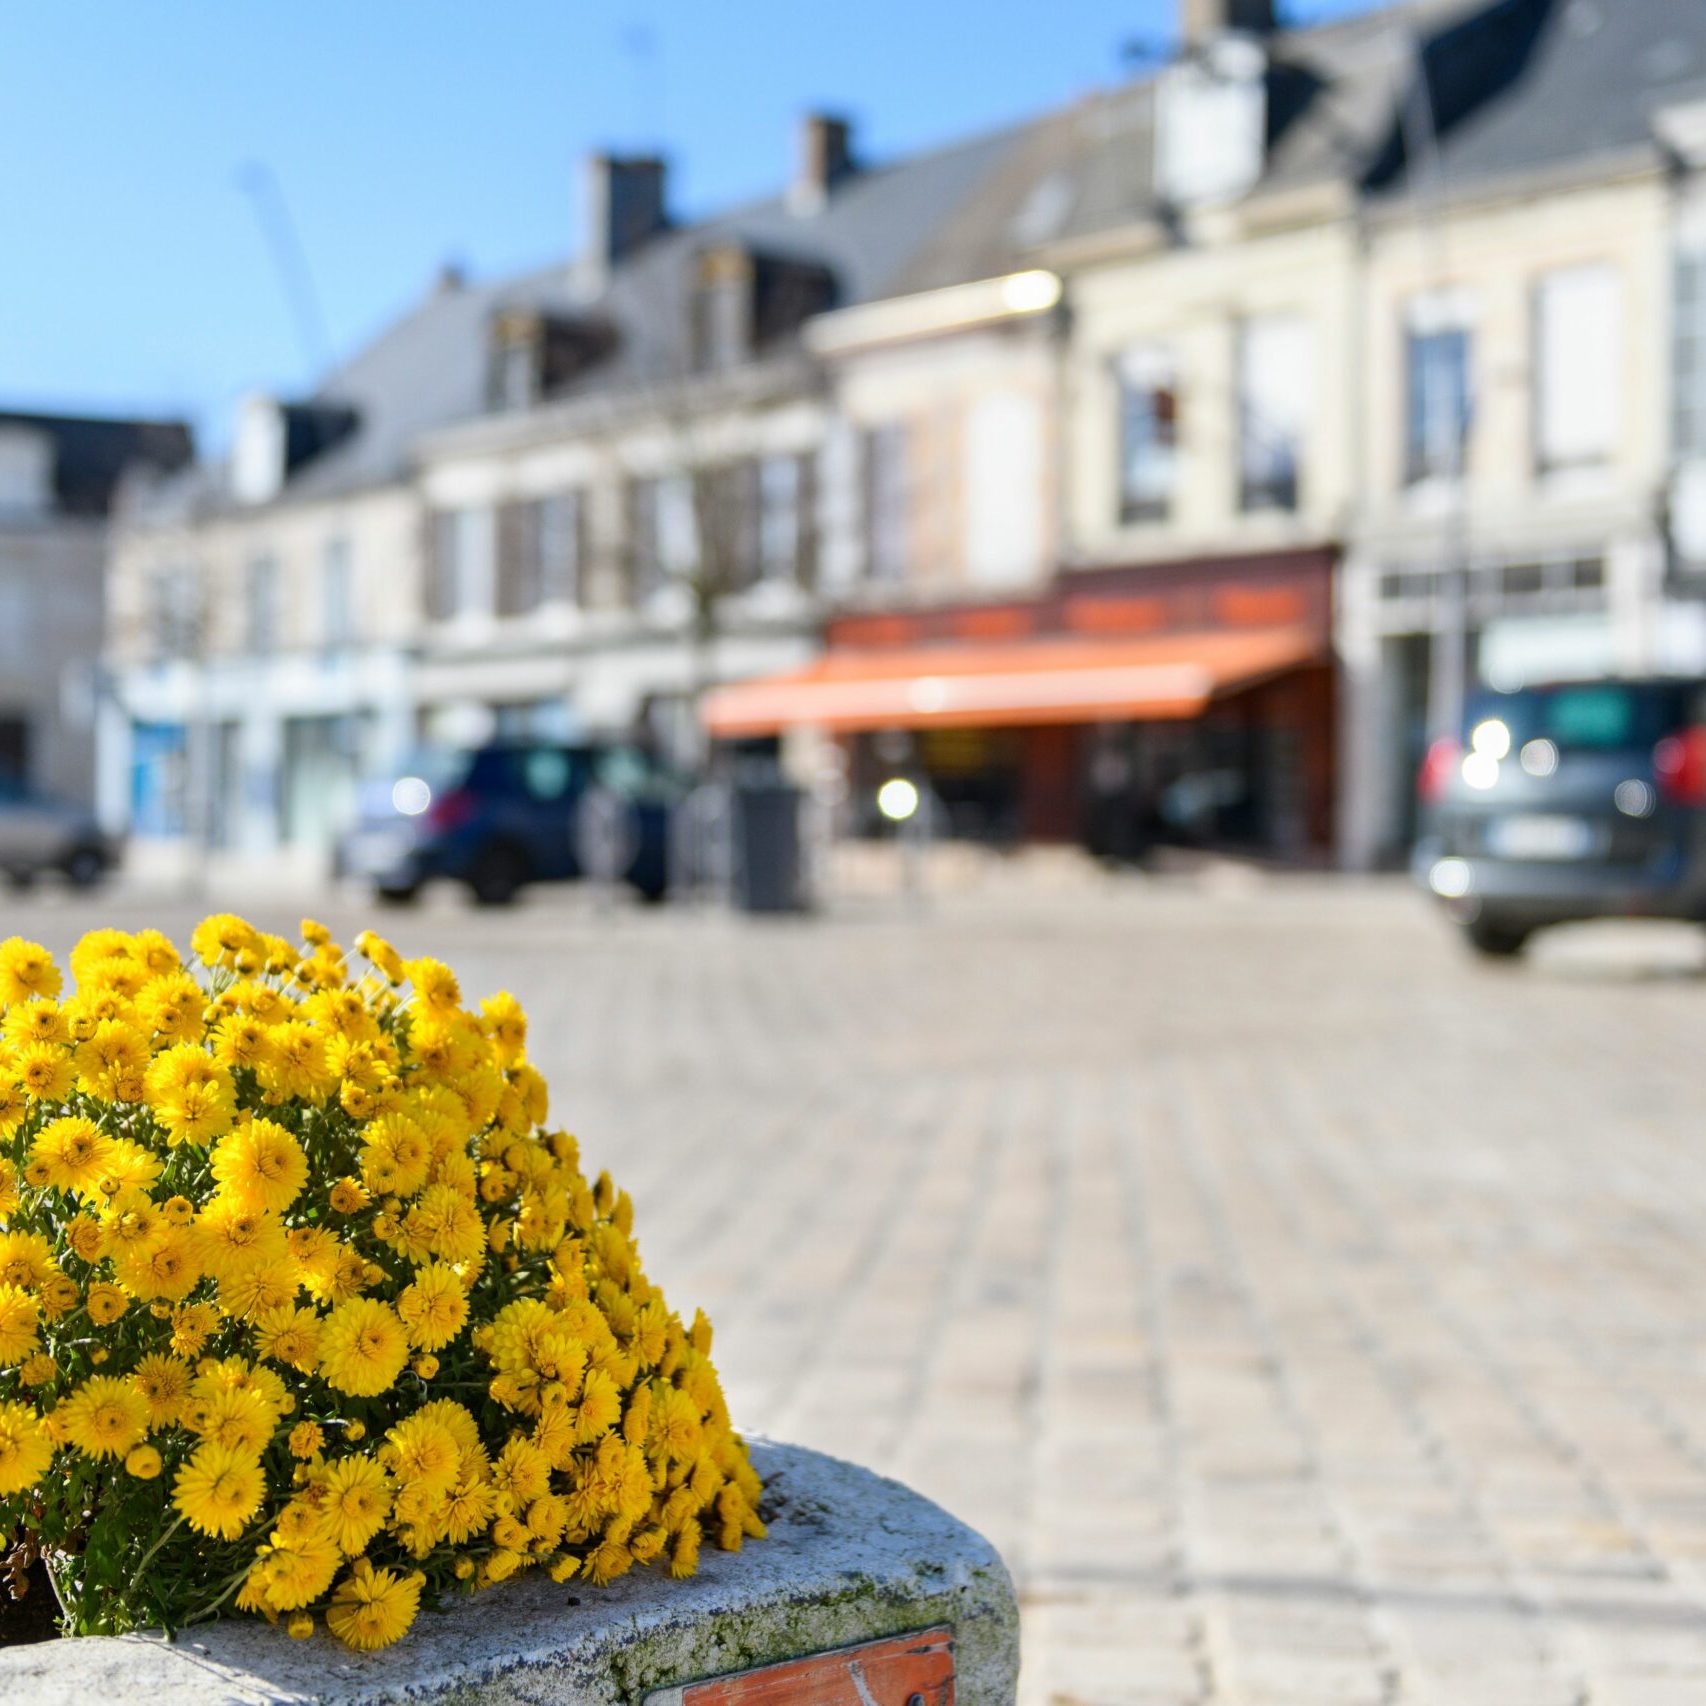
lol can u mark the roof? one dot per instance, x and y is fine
(1516, 87)
(428, 369)
(92, 453)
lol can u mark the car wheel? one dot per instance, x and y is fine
(404, 894)
(1494, 940)
(85, 868)
(497, 876)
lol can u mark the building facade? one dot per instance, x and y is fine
(1523, 299)
(1163, 469)
(59, 478)
(559, 505)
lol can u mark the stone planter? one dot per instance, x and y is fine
(852, 1561)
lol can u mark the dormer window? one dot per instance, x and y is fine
(743, 302)
(534, 355)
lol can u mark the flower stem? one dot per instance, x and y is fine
(148, 1556)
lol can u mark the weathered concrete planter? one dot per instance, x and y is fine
(851, 1558)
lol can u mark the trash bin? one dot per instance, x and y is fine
(769, 863)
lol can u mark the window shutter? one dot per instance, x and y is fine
(512, 565)
(440, 565)
(1579, 348)
(806, 517)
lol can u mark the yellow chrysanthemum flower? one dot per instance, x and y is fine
(164, 1383)
(289, 1336)
(14, 1104)
(219, 1490)
(26, 1260)
(45, 1071)
(362, 1347)
(26, 971)
(373, 1608)
(382, 956)
(19, 1318)
(105, 1303)
(356, 1499)
(112, 1060)
(232, 1238)
(433, 1306)
(260, 1165)
(105, 1416)
(219, 938)
(306, 1440)
(165, 1267)
(25, 1450)
(36, 1022)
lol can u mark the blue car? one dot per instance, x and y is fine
(515, 813)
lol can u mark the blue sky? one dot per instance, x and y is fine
(405, 132)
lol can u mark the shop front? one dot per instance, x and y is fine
(1186, 704)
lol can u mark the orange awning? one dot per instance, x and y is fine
(1063, 680)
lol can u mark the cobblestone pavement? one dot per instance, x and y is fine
(1310, 1315)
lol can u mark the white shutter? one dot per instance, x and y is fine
(1277, 380)
(1579, 355)
(1003, 490)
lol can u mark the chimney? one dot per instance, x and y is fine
(1203, 20)
(624, 207)
(825, 158)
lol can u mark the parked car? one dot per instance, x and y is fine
(1575, 800)
(39, 833)
(514, 813)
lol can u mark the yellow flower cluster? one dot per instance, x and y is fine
(304, 1311)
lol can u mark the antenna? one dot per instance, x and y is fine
(259, 183)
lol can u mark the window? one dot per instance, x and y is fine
(560, 532)
(1690, 319)
(726, 520)
(1578, 352)
(261, 606)
(781, 517)
(887, 502)
(539, 552)
(1438, 381)
(1149, 433)
(337, 626)
(661, 533)
(174, 618)
(461, 567)
(1274, 382)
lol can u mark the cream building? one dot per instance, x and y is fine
(1515, 440)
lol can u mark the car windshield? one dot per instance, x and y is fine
(1596, 716)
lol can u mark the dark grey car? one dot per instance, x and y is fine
(1575, 800)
